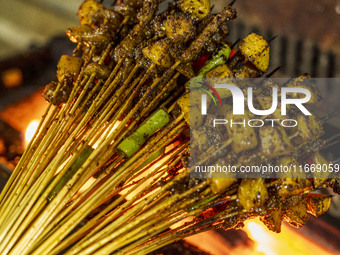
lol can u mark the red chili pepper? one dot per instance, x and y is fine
(199, 62)
(232, 53)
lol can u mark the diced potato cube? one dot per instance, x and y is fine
(273, 221)
(256, 49)
(318, 204)
(297, 215)
(196, 8)
(220, 185)
(293, 186)
(304, 81)
(252, 193)
(69, 66)
(77, 33)
(184, 103)
(158, 53)
(87, 9)
(179, 27)
(266, 103)
(199, 140)
(219, 72)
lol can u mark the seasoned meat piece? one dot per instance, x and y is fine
(179, 27)
(89, 36)
(203, 39)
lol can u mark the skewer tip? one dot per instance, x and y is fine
(329, 116)
(273, 72)
(234, 44)
(272, 39)
(232, 3)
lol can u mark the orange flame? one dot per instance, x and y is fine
(288, 241)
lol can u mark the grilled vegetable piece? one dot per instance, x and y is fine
(305, 81)
(247, 71)
(244, 136)
(87, 9)
(297, 215)
(68, 67)
(318, 204)
(220, 72)
(274, 141)
(101, 71)
(273, 220)
(291, 186)
(256, 50)
(252, 193)
(132, 144)
(179, 27)
(308, 127)
(220, 185)
(158, 53)
(217, 59)
(266, 102)
(198, 9)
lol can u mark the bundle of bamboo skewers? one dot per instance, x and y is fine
(106, 171)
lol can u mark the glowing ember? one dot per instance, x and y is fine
(32, 127)
(107, 132)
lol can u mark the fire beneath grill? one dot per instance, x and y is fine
(256, 239)
(286, 242)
